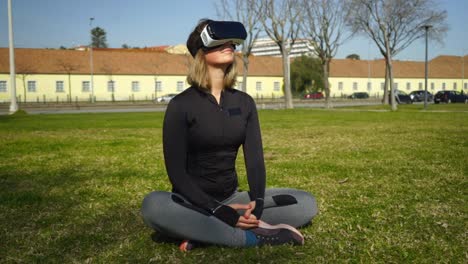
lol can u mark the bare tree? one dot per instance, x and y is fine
(393, 25)
(244, 12)
(324, 24)
(109, 70)
(22, 72)
(68, 68)
(281, 21)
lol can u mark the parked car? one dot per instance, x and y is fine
(401, 97)
(418, 96)
(359, 95)
(316, 95)
(450, 97)
(165, 98)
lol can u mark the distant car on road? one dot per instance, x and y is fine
(418, 96)
(316, 95)
(359, 95)
(165, 98)
(450, 97)
(401, 97)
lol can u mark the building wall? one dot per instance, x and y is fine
(350, 85)
(46, 87)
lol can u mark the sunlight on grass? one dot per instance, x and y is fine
(391, 186)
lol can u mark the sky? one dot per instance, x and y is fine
(55, 23)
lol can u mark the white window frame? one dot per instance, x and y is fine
(395, 85)
(239, 86)
(420, 85)
(340, 86)
(85, 86)
(258, 86)
(3, 87)
(180, 86)
(59, 86)
(382, 86)
(135, 86)
(408, 86)
(466, 85)
(111, 86)
(158, 86)
(355, 86)
(432, 86)
(369, 86)
(444, 86)
(454, 85)
(276, 86)
(32, 87)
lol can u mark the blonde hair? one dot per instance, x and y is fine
(198, 73)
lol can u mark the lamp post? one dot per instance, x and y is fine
(91, 59)
(13, 103)
(426, 28)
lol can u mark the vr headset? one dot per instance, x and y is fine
(217, 33)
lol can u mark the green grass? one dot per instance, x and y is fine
(391, 186)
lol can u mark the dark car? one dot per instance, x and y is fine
(450, 97)
(316, 95)
(401, 97)
(359, 95)
(418, 96)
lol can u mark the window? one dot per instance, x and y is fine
(369, 86)
(395, 85)
(340, 86)
(180, 86)
(454, 85)
(443, 86)
(276, 86)
(3, 86)
(466, 85)
(432, 86)
(408, 86)
(420, 85)
(158, 86)
(258, 86)
(135, 86)
(382, 86)
(59, 87)
(355, 86)
(85, 86)
(111, 86)
(32, 86)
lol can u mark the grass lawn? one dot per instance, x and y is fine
(391, 186)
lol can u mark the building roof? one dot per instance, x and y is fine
(118, 61)
(439, 67)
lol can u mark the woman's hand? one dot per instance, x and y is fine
(248, 220)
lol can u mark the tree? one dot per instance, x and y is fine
(98, 38)
(323, 24)
(244, 13)
(125, 46)
(393, 25)
(22, 72)
(353, 56)
(281, 21)
(306, 75)
(68, 68)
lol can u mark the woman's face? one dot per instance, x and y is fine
(221, 56)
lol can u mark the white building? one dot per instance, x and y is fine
(267, 47)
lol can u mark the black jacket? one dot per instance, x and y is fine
(201, 139)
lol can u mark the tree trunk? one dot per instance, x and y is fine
(287, 83)
(390, 78)
(326, 84)
(385, 87)
(245, 60)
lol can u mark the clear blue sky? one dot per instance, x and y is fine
(55, 23)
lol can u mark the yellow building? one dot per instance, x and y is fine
(62, 75)
(445, 73)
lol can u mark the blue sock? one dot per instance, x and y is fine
(250, 239)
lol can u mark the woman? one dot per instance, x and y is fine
(204, 126)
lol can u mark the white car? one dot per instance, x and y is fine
(165, 98)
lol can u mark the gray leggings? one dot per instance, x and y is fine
(172, 215)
